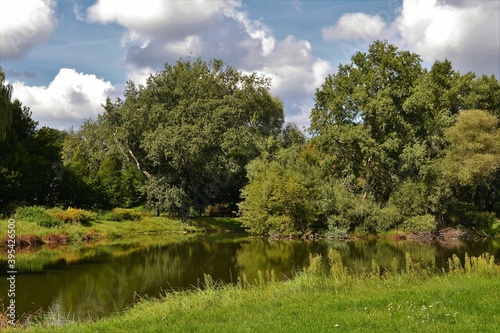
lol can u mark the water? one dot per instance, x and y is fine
(90, 281)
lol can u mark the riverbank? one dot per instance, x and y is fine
(409, 299)
(30, 233)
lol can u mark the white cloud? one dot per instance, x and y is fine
(296, 73)
(148, 19)
(69, 99)
(466, 32)
(24, 24)
(354, 26)
(213, 29)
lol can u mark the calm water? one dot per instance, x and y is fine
(93, 281)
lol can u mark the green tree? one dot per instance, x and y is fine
(191, 130)
(360, 119)
(5, 106)
(281, 196)
(472, 160)
(30, 161)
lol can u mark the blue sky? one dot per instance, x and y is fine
(65, 57)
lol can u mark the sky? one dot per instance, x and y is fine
(63, 58)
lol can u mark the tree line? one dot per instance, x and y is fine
(390, 145)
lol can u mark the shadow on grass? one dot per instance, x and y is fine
(218, 224)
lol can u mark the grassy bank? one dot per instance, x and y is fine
(414, 300)
(39, 226)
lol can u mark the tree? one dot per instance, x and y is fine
(281, 196)
(361, 121)
(191, 130)
(30, 161)
(472, 160)
(5, 106)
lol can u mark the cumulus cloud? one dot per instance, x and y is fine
(296, 73)
(356, 26)
(466, 32)
(164, 31)
(69, 99)
(153, 19)
(24, 24)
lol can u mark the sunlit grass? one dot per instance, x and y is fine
(101, 229)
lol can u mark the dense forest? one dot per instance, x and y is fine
(391, 144)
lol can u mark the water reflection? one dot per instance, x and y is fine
(92, 281)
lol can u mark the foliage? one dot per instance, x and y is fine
(71, 215)
(218, 210)
(181, 142)
(472, 161)
(38, 215)
(280, 197)
(420, 224)
(31, 172)
(121, 214)
(5, 109)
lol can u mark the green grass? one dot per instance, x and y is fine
(217, 224)
(100, 229)
(463, 300)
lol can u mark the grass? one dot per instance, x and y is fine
(102, 229)
(217, 224)
(56, 225)
(415, 300)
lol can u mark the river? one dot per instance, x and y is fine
(82, 281)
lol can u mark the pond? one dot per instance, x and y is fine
(85, 281)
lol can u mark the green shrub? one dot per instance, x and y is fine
(337, 226)
(30, 214)
(218, 210)
(127, 214)
(38, 215)
(110, 216)
(121, 214)
(383, 219)
(479, 219)
(420, 224)
(71, 215)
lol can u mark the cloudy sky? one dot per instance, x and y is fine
(65, 57)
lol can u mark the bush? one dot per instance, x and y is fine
(38, 215)
(479, 219)
(338, 227)
(218, 210)
(71, 215)
(127, 214)
(30, 214)
(383, 219)
(121, 214)
(420, 224)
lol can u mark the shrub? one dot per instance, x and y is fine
(383, 219)
(38, 215)
(420, 224)
(71, 215)
(218, 210)
(338, 227)
(30, 214)
(479, 219)
(121, 214)
(127, 214)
